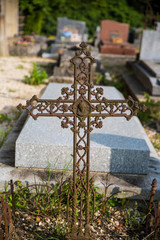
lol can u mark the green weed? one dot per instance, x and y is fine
(115, 82)
(156, 142)
(153, 110)
(4, 118)
(20, 66)
(100, 79)
(37, 76)
(9, 118)
(11, 90)
(3, 135)
(46, 199)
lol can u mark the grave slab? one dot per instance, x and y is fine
(152, 66)
(121, 146)
(135, 87)
(147, 70)
(147, 79)
(131, 185)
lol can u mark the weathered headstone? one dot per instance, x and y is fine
(110, 28)
(147, 70)
(150, 45)
(69, 30)
(97, 36)
(114, 36)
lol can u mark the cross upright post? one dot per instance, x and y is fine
(83, 107)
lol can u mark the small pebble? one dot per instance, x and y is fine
(40, 223)
(92, 229)
(116, 223)
(48, 220)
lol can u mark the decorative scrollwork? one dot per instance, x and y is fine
(135, 107)
(82, 62)
(97, 93)
(45, 107)
(66, 122)
(67, 92)
(97, 122)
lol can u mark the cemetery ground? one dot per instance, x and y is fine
(37, 216)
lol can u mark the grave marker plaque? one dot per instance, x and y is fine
(83, 108)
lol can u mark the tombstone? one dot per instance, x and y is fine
(147, 70)
(96, 41)
(71, 31)
(114, 37)
(157, 26)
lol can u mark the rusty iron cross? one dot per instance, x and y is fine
(87, 107)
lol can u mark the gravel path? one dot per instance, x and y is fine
(12, 88)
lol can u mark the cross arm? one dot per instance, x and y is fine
(47, 107)
(116, 108)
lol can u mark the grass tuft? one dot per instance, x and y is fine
(37, 76)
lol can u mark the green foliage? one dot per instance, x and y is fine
(8, 121)
(156, 141)
(4, 118)
(156, 145)
(37, 76)
(3, 135)
(100, 79)
(33, 23)
(20, 66)
(12, 90)
(132, 217)
(34, 10)
(153, 110)
(41, 16)
(116, 82)
(37, 200)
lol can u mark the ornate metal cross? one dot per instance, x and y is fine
(87, 107)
